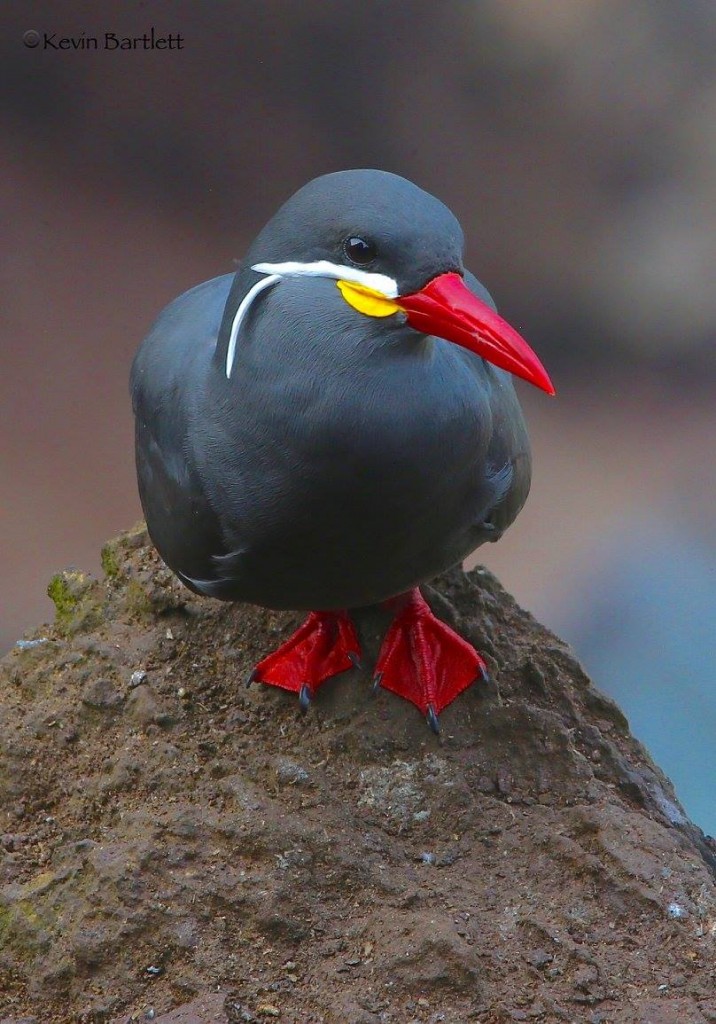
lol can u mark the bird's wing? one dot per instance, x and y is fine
(509, 460)
(168, 371)
(226, 570)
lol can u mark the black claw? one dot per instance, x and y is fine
(305, 696)
(252, 677)
(377, 679)
(432, 719)
(354, 659)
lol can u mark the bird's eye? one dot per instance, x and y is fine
(359, 251)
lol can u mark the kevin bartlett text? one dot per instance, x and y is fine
(151, 40)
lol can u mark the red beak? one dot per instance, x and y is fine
(447, 308)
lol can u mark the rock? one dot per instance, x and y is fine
(208, 1009)
(145, 708)
(102, 695)
(289, 772)
(221, 837)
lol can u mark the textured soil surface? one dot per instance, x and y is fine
(176, 847)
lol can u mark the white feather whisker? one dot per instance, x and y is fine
(241, 312)
(387, 286)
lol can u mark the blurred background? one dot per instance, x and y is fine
(576, 142)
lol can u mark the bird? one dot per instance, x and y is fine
(335, 424)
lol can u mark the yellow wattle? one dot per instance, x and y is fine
(367, 300)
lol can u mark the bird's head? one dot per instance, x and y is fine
(394, 251)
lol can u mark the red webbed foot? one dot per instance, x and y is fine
(425, 661)
(326, 644)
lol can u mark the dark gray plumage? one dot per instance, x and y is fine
(346, 460)
(347, 457)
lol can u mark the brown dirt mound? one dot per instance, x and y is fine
(179, 848)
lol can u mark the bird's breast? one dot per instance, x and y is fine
(356, 485)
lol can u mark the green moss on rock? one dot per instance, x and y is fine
(137, 601)
(76, 600)
(21, 931)
(115, 551)
(110, 562)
